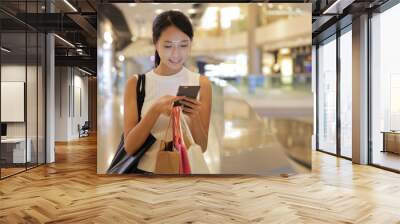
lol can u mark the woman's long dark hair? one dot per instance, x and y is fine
(167, 19)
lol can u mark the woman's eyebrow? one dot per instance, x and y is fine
(182, 41)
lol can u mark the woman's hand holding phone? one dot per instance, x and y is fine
(164, 104)
(191, 107)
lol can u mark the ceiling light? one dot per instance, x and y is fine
(121, 58)
(65, 41)
(284, 50)
(192, 11)
(108, 37)
(158, 11)
(155, 3)
(5, 49)
(70, 5)
(86, 72)
(132, 4)
(338, 6)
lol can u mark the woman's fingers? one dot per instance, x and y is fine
(188, 110)
(175, 98)
(191, 112)
(194, 101)
(189, 104)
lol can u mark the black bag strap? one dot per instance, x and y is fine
(123, 163)
(140, 94)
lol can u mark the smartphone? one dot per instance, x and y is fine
(188, 91)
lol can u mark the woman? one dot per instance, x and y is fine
(172, 38)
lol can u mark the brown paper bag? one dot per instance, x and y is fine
(167, 162)
(167, 159)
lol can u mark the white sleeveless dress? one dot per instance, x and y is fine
(156, 87)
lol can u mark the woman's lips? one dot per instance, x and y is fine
(175, 62)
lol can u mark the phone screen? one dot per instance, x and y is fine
(188, 91)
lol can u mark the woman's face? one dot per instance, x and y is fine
(173, 47)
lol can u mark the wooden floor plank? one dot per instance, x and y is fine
(70, 191)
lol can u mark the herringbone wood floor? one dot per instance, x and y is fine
(69, 191)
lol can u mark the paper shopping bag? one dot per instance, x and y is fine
(195, 155)
(167, 162)
(168, 159)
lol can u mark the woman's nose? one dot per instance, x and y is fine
(174, 51)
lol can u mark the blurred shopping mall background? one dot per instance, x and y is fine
(269, 61)
(262, 49)
(259, 57)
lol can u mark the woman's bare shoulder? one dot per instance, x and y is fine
(204, 81)
(130, 87)
(131, 82)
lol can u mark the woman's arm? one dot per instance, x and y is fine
(136, 133)
(200, 114)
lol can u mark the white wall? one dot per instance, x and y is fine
(33, 126)
(80, 89)
(70, 83)
(61, 103)
(13, 73)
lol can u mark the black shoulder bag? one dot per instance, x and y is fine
(122, 162)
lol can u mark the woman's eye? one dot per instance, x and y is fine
(167, 46)
(184, 45)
